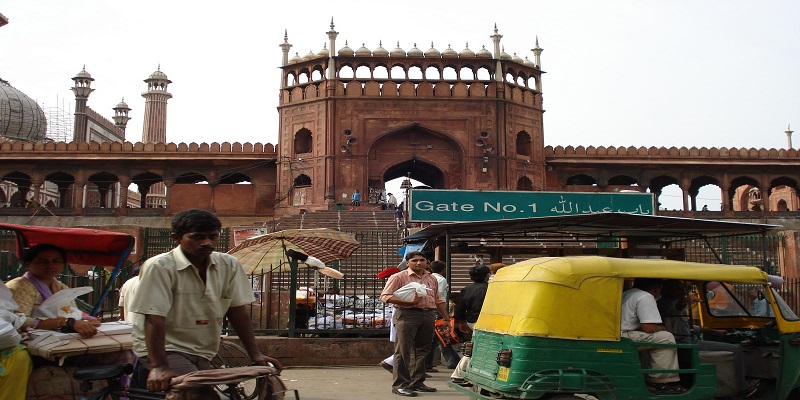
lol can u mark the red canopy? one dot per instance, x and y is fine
(83, 246)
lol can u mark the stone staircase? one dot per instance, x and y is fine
(343, 220)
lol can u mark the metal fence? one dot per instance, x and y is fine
(765, 252)
(790, 291)
(329, 307)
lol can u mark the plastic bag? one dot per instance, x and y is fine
(9, 337)
(62, 304)
(408, 291)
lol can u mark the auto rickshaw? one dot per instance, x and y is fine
(550, 329)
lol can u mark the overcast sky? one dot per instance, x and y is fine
(622, 73)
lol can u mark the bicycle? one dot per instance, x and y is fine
(229, 386)
(231, 355)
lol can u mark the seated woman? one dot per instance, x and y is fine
(44, 263)
(15, 362)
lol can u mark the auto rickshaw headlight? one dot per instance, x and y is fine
(467, 349)
(504, 357)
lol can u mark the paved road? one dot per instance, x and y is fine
(358, 383)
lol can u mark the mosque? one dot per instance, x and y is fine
(356, 119)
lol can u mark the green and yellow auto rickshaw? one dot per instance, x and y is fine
(550, 329)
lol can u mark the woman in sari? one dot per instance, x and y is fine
(44, 263)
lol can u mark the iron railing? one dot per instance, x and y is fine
(329, 307)
(763, 251)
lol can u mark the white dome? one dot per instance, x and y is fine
(363, 51)
(449, 53)
(466, 52)
(397, 51)
(20, 117)
(483, 53)
(528, 62)
(346, 51)
(432, 52)
(295, 59)
(324, 52)
(415, 52)
(380, 51)
(515, 58)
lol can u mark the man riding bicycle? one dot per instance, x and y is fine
(180, 302)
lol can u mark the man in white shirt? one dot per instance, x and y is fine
(640, 321)
(126, 295)
(392, 201)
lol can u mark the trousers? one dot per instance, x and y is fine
(413, 343)
(661, 358)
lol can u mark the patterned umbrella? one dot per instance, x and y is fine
(267, 253)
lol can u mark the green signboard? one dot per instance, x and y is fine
(433, 205)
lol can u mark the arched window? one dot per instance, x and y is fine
(302, 180)
(346, 72)
(432, 73)
(398, 73)
(524, 184)
(523, 143)
(302, 141)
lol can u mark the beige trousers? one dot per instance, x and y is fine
(661, 358)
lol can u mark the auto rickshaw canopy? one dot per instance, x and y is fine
(580, 297)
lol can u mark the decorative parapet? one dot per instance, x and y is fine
(221, 148)
(669, 152)
(95, 117)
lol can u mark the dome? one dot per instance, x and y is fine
(380, 51)
(324, 52)
(363, 51)
(504, 55)
(295, 59)
(415, 52)
(83, 75)
(515, 58)
(158, 75)
(466, 52)
(346, 51)
(20, 117)
(483, 53)
(528, 63)
(432, 52)
(122, 104)
(449, 53)
(398, 52)
(309, 55)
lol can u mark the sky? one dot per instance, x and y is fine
(713, 73)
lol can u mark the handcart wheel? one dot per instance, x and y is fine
(231, 355)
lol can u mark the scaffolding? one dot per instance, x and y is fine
(60, 121)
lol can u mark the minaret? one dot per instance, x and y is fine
(332, 34)
(155, 108)
(82, 90)
(537, 57)
(789, 132)
(121, 117)
(498, 74)
(285, 46)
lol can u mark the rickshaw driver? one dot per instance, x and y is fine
(640, 321)
(181, 299)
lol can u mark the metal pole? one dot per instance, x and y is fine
(292, 296)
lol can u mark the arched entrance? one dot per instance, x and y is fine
(429, 156)
(418, 171)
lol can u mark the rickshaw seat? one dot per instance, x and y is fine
(726, 371)
(102, 372)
